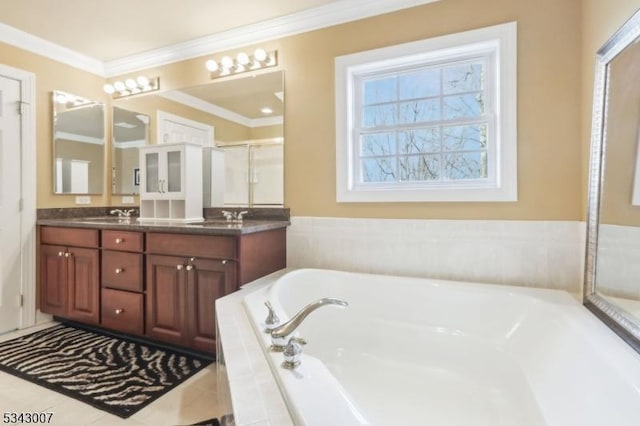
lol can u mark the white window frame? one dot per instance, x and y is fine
(498, 44)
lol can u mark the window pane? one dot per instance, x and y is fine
(419, 111)
(379, 169)
(382, 90)
(380, 115)
(462, 78)
(419, 141)
(379, 144)
(460, 138)
(420, 167)
(468, 165)
(463, 106)
(421, 84)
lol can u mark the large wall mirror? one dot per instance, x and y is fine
(612, 279)
(129, 131)
(242, 116)
(78, 145)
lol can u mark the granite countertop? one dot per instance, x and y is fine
(207, 227)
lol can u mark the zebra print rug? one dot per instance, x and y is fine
(111, 374)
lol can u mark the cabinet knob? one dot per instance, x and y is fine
(119, 240)
(224, 262)
(60, 254)
(67, 254)
(189, 267)
(119, 311)
(119, 270)
(179, 267)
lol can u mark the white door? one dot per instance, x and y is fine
(176, 129)
(10, 194)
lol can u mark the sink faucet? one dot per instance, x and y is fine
(123, 213)
(233, 217)
(280, 334)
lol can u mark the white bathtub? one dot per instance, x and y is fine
(425, 352)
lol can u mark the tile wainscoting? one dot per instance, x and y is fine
(619, 261)
(547, 254)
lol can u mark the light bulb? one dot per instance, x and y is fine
(242, 58)
(266, 110)
(212, 65)
(119, 86)
(108, 88)
(131, 83)
(260, 55)
(226, 62)
(61, 99)
(142, 81)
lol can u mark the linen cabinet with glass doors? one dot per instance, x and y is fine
(171, 182)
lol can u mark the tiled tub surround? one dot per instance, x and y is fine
(508, 355)
(547, 254)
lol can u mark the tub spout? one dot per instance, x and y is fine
(284, 330)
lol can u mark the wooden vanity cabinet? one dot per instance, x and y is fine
(157, 285)
(181, 290)
(69, 274)
(122, 294)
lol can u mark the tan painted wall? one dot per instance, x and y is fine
(549, 118)
(550, 111)
(50, 76)
(600, 20)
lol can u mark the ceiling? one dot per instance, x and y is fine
(107, 30)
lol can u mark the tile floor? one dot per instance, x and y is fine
(201, 397)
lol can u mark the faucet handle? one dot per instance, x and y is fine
(292, 353)
(227, 215)
(272, 320)
(240, 214)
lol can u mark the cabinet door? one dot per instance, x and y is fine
(151, 171)
(53, 280)
(166, 299)
(207, 281)
(83, 285)
(173, 185)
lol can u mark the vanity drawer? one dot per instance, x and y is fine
(122, 270)
(69, 236)
(122, 311)
(202, 246)
(122, 240)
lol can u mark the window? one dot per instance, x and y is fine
(432, 120)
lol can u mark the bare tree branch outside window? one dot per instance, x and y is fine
(425, 125)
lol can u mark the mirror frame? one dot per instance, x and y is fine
(622, 323)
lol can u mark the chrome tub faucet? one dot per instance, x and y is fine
(280, 334)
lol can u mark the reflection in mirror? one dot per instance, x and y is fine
(612, 280)
(130, 130)
(244, 117)
(78, 142)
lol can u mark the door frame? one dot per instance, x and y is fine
(28, 190)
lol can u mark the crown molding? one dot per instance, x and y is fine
(312, 19)
(42, 47)
(331, 14)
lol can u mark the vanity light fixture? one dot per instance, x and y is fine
(70, 101)
(243, 62)
(131, 86)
